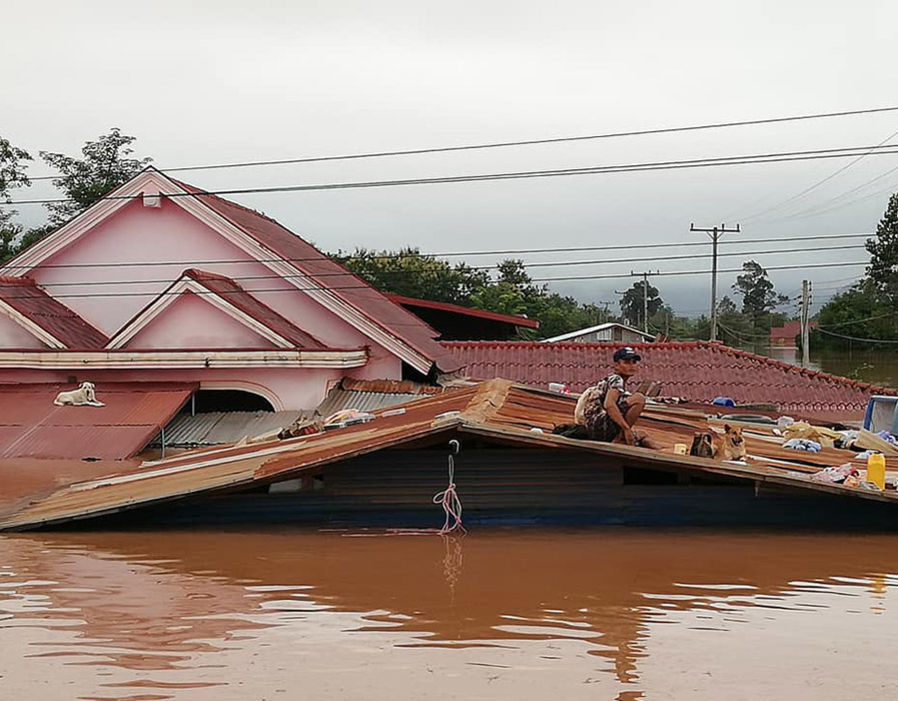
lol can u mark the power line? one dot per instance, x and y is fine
(364, 285)
(857, 321)
(404, 272)
(823, 209)
(856, 338)
(775, 157)
(528, 142)
(820, 182)
(456, 254)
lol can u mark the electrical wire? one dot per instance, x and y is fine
(529, 142)
(778, 157)
(392, 274)
(814, 186)
(858, 321)
(511, 251)
(366, 286)
(856, 338)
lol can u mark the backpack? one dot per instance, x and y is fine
(702, 446)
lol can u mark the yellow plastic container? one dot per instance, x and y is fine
(876, 470)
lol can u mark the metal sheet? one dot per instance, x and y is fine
(341, 399)
(32, 426)
(497, 413)
(217, 427)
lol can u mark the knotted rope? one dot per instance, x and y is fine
(449, 497)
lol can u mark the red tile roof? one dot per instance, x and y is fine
(32, 426)
(283, 243)
(697, 370)
(513, 319)
(236, 296)
(29, 300)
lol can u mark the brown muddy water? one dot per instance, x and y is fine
(524, 614)
(874, 365)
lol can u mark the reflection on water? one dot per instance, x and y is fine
(578, 614)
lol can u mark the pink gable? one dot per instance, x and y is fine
(12, 335)
(107, 259)
(192, 322)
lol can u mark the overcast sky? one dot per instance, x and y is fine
(216, 82)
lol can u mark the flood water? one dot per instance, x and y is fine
(873, 365)
(524, 614)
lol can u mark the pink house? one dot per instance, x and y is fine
(162, 282)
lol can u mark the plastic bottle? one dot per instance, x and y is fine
(876, 470)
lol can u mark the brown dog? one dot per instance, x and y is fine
(731, 445)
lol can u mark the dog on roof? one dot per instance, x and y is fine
(85, 395)
(731, 445)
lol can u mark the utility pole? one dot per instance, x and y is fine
(714, 233)
(805, 322)
(645, 296)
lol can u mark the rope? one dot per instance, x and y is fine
(449, 497)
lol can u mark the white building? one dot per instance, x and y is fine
(611, 331)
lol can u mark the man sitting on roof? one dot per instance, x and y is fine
(606, 411)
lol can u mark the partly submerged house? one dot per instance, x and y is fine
(161, 282)
(786, 336)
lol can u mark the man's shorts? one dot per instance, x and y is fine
(602, 428)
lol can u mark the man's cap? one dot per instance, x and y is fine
(626, 353)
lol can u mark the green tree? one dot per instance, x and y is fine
(410, 273)
(12, 175)
(883, 269)
(860, 312)
(632, 303)
(756, 289)
(738, 329)
(105, 165)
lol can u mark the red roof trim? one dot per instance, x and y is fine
(235, 296)
(514, 319)
(303, 256)
(58, 320)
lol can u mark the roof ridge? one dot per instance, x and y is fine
(196, 273)
(194, 190)
(13, 280)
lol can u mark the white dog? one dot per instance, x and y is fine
(85, 395)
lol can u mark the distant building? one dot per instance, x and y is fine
(456, 323)
(786, 336)
(611, 331)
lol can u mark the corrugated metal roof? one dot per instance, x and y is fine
(363, 401)
(496, 411)
(698, 371)
(217, 427)
(23, 295)
(32, 426)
